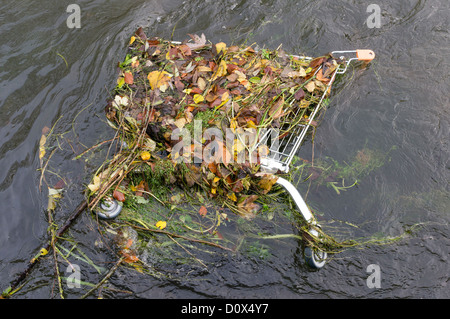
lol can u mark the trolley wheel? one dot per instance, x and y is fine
(109, 209)
(315, 258)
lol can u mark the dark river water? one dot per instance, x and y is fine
(59, 77)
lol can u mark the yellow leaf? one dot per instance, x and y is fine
(161, 224)
(238, 146)
(120, 81)
(213, 190)
(225, 96)
(251, 124)
(233, 124)
(198, 98)
(145, 156)
(221, 46)
(203, 68)
(222, 70)
(232, 196)
(132, 40)
(158, 78)
(43, 252)
(95, 185)
(42, 146)
(53, 196)
(310, 86)
(180, 122)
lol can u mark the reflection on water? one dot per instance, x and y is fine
(56, 77)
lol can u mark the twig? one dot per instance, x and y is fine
(183, 237)
(187, 251)
(48, 246)
(93, 147)
(109, 274)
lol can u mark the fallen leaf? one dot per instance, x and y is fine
(248, 205)
(158, 79)
(255, 79)
(310, 86)
(135, 63)
(276, 111)
(221, 70)
(316, 62)
(203, 68)
(180, 122)
(53, 196)
(266, 182)
(232, 196)
(251, 124)
(203, 211)
(221, 46)
(120, 81)
(42, 142)
(145, 156)
(199, 42)
(185, 49)
(300, 94)
(321, 77)
(161, 224)
(128, 77)
(198, 98)
(119, 196)
(120, 100)
(201, 83)
(95, 185)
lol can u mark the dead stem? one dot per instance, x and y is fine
(108, 275)
(180, 236)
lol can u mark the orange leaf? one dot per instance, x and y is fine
(203, 211)
(128, 78)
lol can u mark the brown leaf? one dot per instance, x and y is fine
(276, 111)
(316, 62)
(185, 49)
(199, 42)
(299, 95)
(140, 33)
(248, 205)
(178, 84)
(232, 77)
(266, 182)
(238, 186)
(320, 77)
(140, 188)
(119, 196)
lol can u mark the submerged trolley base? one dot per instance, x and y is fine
(282, 152)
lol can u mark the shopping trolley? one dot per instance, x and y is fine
(281, 153)
(282, 150)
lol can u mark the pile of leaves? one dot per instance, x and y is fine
(173, 93)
